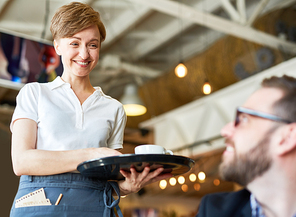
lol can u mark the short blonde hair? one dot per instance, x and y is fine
(74, 17)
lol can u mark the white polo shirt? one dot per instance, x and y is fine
(63, 123)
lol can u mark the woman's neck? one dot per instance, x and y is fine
(80, 85)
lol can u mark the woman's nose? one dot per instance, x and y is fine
(83, 53)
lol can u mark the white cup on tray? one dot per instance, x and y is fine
(152, 149)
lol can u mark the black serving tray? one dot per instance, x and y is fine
(108, 168)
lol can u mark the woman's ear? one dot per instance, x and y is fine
(56, 47)
(288, 140)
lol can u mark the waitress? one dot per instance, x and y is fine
(58, 125)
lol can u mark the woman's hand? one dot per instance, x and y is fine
(134, 181)
(102, 152)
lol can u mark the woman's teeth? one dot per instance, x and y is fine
(82, 63)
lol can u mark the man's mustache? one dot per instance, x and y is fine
(229, 142)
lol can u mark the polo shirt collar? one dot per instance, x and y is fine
(99, 91)
(57, 82)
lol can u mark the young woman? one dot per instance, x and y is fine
(59, 124)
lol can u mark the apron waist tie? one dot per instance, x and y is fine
(109, 201)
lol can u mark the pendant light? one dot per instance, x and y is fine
(180, 69)
(132, 103)
(206, 88)
(201, 176)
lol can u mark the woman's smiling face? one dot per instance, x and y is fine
(80, 53)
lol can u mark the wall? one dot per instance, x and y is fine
(9, 182)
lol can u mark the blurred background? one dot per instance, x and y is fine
(229, 45)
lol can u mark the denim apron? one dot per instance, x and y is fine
(82, 196)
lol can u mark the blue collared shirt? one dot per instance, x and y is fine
(257, 210)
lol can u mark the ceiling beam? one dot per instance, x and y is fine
(170, 30)
(257, 12)
(118, 28)
(219, 24)
(283, 4)
(3, 6)
(107, 4)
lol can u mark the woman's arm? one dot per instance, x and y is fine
(27, 160)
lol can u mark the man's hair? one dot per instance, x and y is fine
(73, 18)
(286, 106)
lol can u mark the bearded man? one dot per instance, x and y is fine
(260, 155)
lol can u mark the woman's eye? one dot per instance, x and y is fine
(74, 44)
(93, 45)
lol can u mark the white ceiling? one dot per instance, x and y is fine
(146, 38)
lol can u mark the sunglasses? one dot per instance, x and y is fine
(255, 113)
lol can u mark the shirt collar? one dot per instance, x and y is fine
(255, 207)
(257, 210)
(100, 92)
(57, 82)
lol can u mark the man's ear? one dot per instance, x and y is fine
(288, 139)
(56, 47)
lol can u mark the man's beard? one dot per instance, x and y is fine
(246, 167)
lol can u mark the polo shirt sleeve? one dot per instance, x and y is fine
(26, 104)
(116, 138)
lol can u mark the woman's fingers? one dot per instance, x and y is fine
(161, 176)
(156, 172)
(134, 176)
(156, 176)
(124, 173)
(140, 176)
(134, 181)
(145, 174)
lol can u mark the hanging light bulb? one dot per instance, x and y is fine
(201, 176)
(206, 88)
(132, 104)
(181, 70)
(192, 177)
(163, 184)
(173, 181)
(181, 180)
